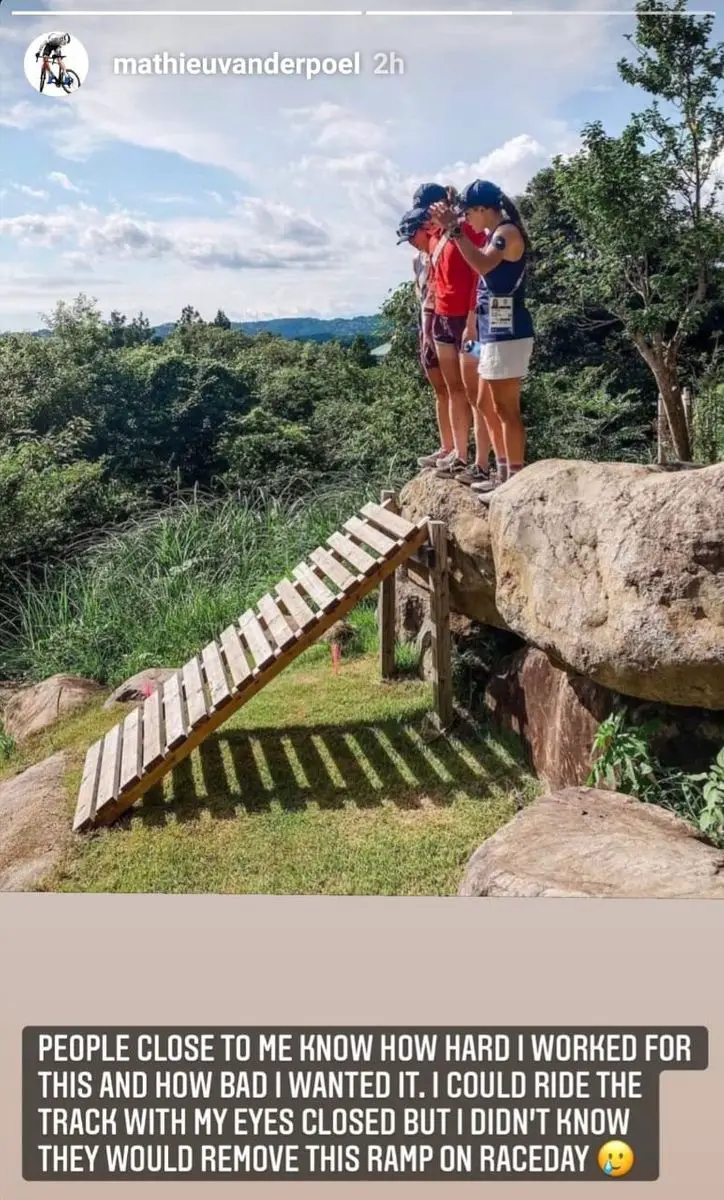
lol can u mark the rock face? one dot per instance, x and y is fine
(472, 571)
(34, 824)
(139, 686)
(557, 714)
(616, 571)
(585, 842)
(35, 708)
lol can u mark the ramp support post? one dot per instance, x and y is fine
(440, 611)
(386, 608)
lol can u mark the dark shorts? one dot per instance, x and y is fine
(428, 355)
(449, 331)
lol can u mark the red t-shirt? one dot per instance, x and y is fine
(455, 283)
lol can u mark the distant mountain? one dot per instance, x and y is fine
(296, 329)
(305, 329)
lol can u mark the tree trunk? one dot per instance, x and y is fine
(673, 403)
(669, 392)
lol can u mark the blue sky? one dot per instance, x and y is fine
(274, 196)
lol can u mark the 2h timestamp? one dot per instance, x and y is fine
(386, 62)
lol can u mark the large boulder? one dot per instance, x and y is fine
(557, 714)
(472, 570)
(37, 707)
(34, 824)
(617, 571)
(586, 842)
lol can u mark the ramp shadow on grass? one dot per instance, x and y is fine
(246, 772)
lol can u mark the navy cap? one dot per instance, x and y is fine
(412, 222)
(429, 193)
(481, 194)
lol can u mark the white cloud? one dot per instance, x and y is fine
(64, 182)
(270, 238)
(33, 193)
(24, 115)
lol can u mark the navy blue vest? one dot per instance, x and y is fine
(502, 314)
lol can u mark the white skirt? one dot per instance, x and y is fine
(505, 360)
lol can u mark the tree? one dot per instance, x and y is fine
(221, 320)
(189, 316)
(646, 203)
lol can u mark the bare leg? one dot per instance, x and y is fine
(492, 420)
(469, 372)
(442, 401)
(506, 399)
(460, 412)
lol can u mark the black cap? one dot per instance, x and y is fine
(412, 222)
(429, 193)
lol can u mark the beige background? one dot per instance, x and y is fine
(74, 960)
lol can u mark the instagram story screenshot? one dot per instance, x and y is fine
(361, 558)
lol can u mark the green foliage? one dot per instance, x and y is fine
(49, 503)
(708, 415)
(711, 817)
(7, 745)
(624, 761)
(154, 592)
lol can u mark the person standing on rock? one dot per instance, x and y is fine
(505, 326)
(453, 285)
(416, 228)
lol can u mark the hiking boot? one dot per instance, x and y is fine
(483, 487)
(433, 460)
(452, 467)
(479, 475)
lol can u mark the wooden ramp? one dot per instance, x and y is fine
(175, 719)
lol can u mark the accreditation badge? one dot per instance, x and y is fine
(501, 314)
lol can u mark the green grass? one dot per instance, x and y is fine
(153, 593)
(324, 785)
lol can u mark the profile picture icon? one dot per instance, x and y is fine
(56, 64)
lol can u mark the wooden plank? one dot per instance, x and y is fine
(388, 521)
(315, 587)
(333, 569)
(325, 620)
(110, 769)
(239, 668)
(215, 675)
(131, 767)
(359, 558)
(369, 536)
(153, 734)
(86, 806)
(253, 635)
(275, 623)
(194, 689)
(386, 612)
(297, 608)
(440, 610)
(173, 712)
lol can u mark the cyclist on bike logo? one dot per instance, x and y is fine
(51, 52)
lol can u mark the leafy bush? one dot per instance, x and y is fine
(624, 762)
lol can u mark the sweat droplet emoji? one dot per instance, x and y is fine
(615, 1159)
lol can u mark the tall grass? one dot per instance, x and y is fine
(154, 592)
